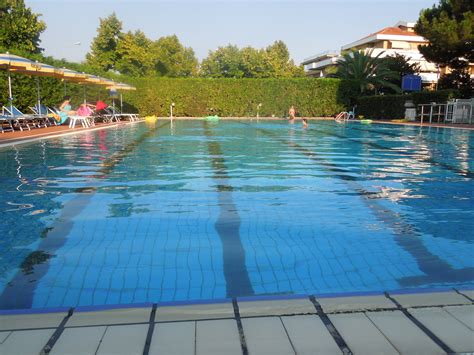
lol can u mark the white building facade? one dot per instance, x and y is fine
(400, 39)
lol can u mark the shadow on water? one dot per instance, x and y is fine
(228, 224)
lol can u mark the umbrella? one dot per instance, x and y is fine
(121, 86)
(11, 62)
(73, 76)
(40, 69)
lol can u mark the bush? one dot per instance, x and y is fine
(195, 97)
(382, 106)
(441, 96)
(390, 107)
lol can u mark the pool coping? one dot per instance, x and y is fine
(50, 135)
(257, 298)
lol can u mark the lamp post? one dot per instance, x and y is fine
(258, 110)
(437, 77)
(171, 110)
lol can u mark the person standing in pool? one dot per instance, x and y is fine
(305, 122)
(292, 113)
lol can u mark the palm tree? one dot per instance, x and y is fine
(370, 73)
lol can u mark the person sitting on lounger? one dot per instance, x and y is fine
(65, 110)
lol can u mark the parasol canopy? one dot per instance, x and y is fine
(13, 62)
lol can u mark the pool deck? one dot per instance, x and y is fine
(381, 323)
(17, 137)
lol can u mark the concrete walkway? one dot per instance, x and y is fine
(395, 323)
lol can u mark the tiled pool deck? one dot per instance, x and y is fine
(390, 323)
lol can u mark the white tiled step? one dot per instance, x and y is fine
(26, 342)
(173, 339)
(123, 340)
(447, 328)
(217, 337)
(361, 335)
(266, 336)
(78, 341)
(405, 336)
(309, 335)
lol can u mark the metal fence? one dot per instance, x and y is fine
(457, 111)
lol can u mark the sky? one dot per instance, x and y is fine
(307, 27)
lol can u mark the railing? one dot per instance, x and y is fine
(433, 110)
(459, 111)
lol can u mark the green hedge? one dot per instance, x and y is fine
(239, 97)
(389, 107)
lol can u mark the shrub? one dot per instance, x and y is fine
(382, 106)
(389, 107)
(239, 97)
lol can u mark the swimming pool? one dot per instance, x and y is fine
(195, 210)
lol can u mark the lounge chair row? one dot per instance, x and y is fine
(11, 118)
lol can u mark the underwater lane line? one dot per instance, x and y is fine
(19, 292)
(228, 224)
(463, 172)
(406, 235)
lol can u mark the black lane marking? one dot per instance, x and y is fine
(421, 326)
(341, 343)
(228, 225)
(405, 235)
(431, 161)
(243, 342)
(19, 292)
(462, 294)
(59, 330)
(151, 329)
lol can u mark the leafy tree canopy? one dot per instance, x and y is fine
(232, 62)
(103, 54)
(400, 65)
(171, 58)
(449, 28)
(133, 54)
(370, 73)
(20, 28)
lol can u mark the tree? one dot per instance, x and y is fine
(370, 73)
(449, 28)
(103, 55)
(232, 62)
(171, 58)
(20, 28)
(400, 65)
(134, 55)
(279, 64)
(224, 62)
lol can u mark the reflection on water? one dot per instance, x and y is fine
(145, 213)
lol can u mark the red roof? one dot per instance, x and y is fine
(393, 31)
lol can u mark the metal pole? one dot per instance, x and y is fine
(39, 94)
(65, 89)
(84, 87)
(121, 103)
(10, 96)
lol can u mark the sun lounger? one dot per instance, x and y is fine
(28, 120)
(46, 112)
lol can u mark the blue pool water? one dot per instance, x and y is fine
(200, 210)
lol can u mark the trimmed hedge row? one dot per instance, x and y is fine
(390, 107)
(195, 97)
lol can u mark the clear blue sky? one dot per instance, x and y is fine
(307, 27)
